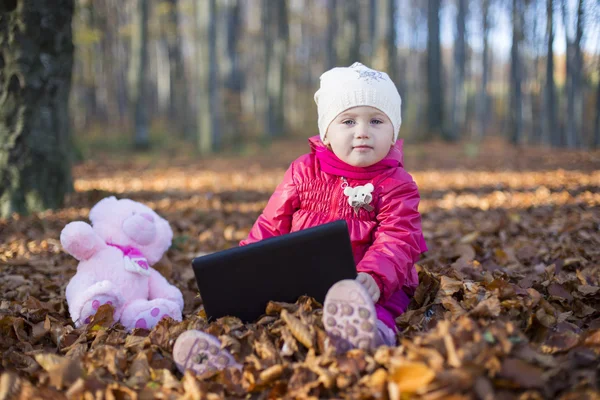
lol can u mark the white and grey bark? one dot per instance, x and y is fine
(206, 68)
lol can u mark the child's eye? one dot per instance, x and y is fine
(348, 122)
(377, 121)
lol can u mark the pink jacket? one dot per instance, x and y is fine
(386, 241)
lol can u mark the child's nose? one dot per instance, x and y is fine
(362, 131)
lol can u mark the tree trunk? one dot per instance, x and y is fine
(276, 42)
(232, 73)
(435, 92)
(179, 111)
(331, 33)
(573, 77)
(578, 93)
(391, 39)
(207, 95)
(482, 104)
(552, 131)
(138, 75)
(458, 94)
(348, 38)
(386, 53)
(371, 39)
(36, 62)
(596, 142)
(516, 95)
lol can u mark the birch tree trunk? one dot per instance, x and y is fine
(206, 65)
(36, 63)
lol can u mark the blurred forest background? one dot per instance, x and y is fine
(221, 73)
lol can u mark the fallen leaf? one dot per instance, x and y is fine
(521, 373)
(588, 290)
(62, 371)
(449, 286)
(410, 377)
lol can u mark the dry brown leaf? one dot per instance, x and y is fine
(535, 251)
(272, 373)
(453, 306)
(411, 377)
(61, 370)
(298, 329)
(449, 286)
(103, 317)
(588, 290)
(489, 307)
(521, 373)
(469, 238)
(559, 291)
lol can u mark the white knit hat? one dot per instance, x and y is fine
(346, 87)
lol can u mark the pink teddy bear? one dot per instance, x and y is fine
(116, 254)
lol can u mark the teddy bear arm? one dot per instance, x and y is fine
(80, 240)
(160, 288)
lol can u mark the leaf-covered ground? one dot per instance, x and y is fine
(508, 305)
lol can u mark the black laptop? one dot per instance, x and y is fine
(241, 281)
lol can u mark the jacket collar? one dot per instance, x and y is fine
(331, 164)
(395, 153)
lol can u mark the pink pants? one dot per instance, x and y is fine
(395, 306)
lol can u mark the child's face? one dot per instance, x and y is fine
(360, 136)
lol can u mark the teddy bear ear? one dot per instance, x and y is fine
(369, 186)
(102, 206)
(347, 190)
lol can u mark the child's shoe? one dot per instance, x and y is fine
(349, 317)
(201, 352)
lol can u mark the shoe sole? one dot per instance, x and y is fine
(201, 353)
(349, 316)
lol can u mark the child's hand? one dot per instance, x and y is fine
(369, 283)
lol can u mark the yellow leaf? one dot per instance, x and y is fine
(469, 238)
(411, 377)
(48, 361)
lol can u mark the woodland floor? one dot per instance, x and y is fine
(508, 305)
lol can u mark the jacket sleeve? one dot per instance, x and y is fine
(398, 240)
(276, 218)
